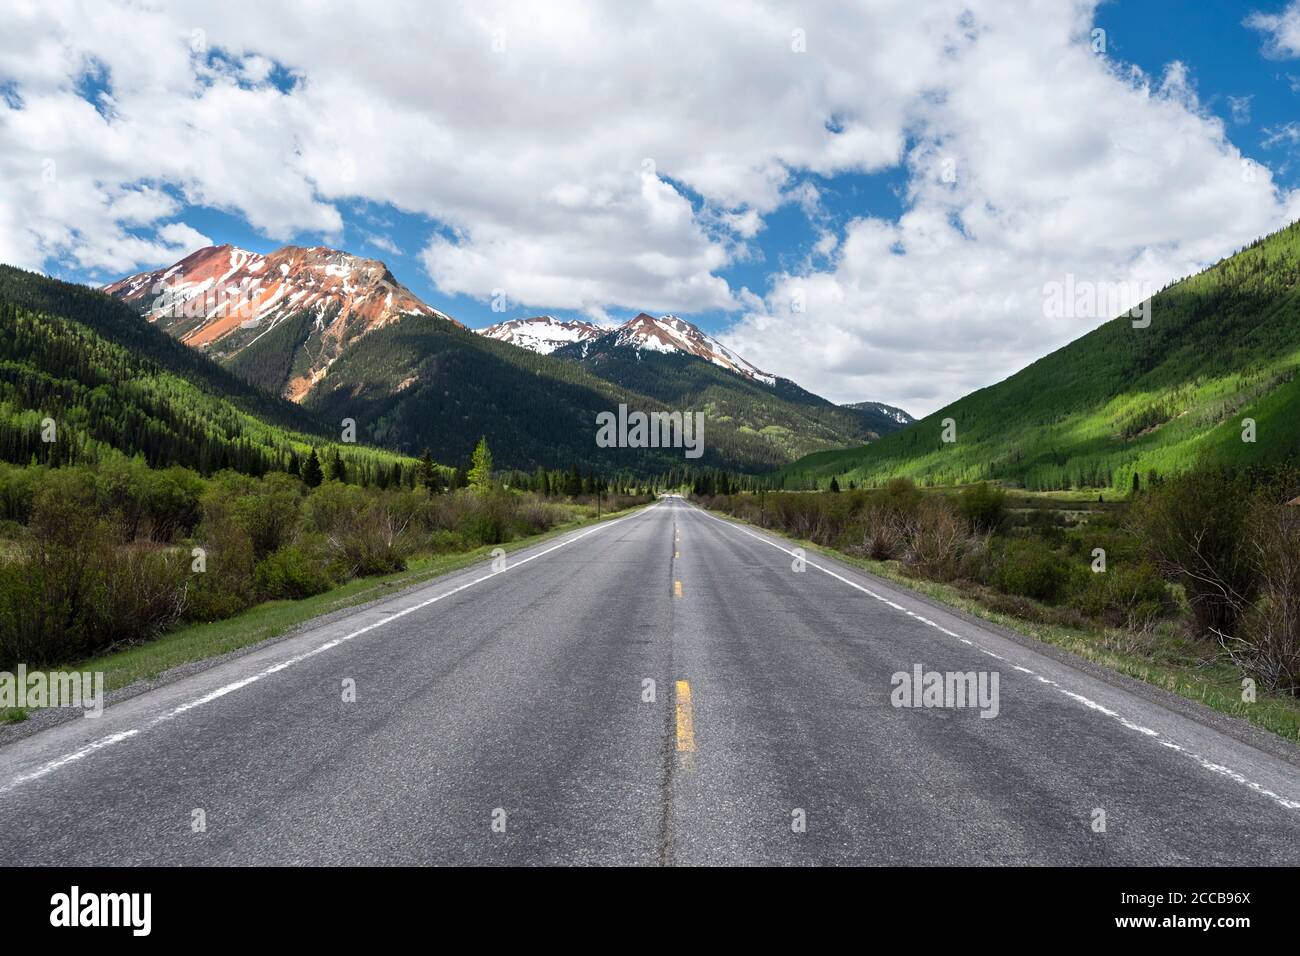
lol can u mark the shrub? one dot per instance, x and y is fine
(984, 507)
(899, 497)
(1267, 645)
(446, 542)
(486, 517)
(226, 586)
(139, 592)
(1195, 526)
(938, 541)
(268, 512)
(1030, 568)
(84, 594)
(1125, 595)
(533, 516)
(294, 571)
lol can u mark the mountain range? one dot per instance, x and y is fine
(156, 368)
(340, 336)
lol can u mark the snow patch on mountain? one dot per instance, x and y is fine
(541, 333)
(224, 299)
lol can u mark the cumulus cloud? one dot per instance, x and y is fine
(1040, 161)
(607, 156)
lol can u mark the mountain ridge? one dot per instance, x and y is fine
(342, 338)
(226, 300)
(1123, 402)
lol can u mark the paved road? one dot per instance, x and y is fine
(518, 698)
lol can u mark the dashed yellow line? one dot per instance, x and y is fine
(677, 589)
(685, 719)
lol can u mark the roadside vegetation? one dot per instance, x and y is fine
(1192, 584)
(96, 559)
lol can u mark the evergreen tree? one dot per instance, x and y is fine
(311, 471)
(337, 471)
(428, 472)
(573, 482)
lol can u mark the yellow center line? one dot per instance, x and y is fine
(685, 719)
(677, 589)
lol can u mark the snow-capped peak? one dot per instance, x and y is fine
(542, 333)
(669, 333)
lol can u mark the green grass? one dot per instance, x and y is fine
(198, 642)
(1163, 658)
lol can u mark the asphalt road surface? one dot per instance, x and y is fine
(506, 717)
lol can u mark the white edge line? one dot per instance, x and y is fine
(1090, 704)
(115, 738)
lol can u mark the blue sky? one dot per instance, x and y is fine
(1225, 59)
(489, 148)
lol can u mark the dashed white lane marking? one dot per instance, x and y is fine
(1085, 701)
(62, 761)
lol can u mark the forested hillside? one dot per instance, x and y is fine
(421, 382)
(71, 395)
(121, 324)
(1222, 347)
(786, 417)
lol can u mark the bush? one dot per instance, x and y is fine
(899, 497)
(268, 512)
(84, 594)
(1268, 643)
(533, 516)
(1030, 568)
(882, 539)
(138, 594)
(294, 571)
(226, 586)
(984, 507)
(938, 541)
(446, 542)
(1126, 595)
(1195, 526)
(486, 517)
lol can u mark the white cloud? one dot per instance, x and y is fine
(1283, 134)
(519, 148)
(1282, 30)
(1066, 164)
(605, 156)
